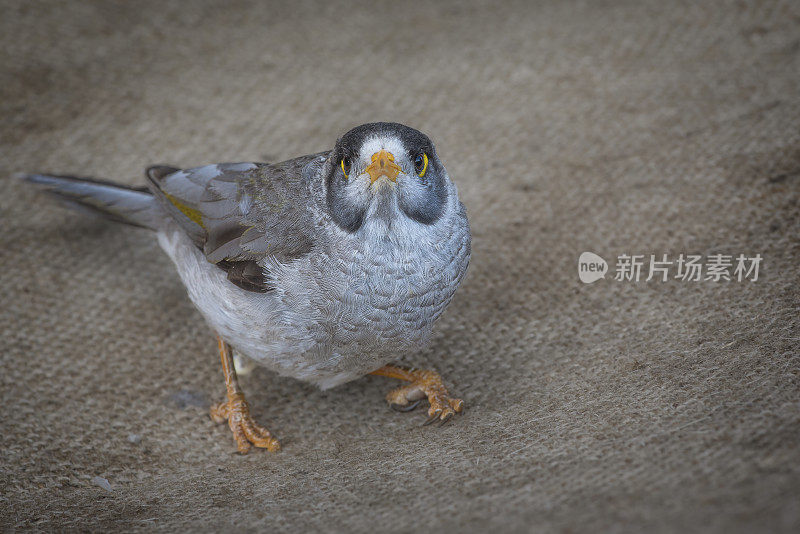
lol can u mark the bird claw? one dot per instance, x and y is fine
(445, 418)
(246, 432)
(405, 407)
(443, 415)
(426, 384)
(432, 418)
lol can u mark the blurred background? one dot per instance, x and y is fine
(640, 127)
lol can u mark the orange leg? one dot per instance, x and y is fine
(423, 384)
(236, 411)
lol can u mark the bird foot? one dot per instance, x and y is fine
(424, 384)
(246, 432)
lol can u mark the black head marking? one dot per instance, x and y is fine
(424, 202)
(411, 138)
(345, 210)
(429, 206)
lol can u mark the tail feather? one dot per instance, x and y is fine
(135, 206)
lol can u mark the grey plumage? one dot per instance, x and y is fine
(97, 197)
(312, 267)
(239, 213)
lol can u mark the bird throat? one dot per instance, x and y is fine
(384, 207)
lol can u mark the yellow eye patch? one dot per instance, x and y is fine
(424, 165)
(342, 166)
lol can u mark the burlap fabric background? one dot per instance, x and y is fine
(613, 127)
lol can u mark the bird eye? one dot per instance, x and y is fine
(346, 166)
(421, 164)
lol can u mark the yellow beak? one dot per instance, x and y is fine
(383, 165)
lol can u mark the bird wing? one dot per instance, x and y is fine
(241, 215)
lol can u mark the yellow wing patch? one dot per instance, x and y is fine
(194, 215)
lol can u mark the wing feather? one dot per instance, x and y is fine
(242, 215)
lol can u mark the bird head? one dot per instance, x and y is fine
(385, 171)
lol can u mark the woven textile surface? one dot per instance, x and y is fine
(642, 127)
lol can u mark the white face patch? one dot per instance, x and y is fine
(378, 143)
(412, 188)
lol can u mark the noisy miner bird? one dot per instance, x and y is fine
(320, 268)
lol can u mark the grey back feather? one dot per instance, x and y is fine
(242, 215)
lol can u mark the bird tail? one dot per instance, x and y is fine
(119, 203)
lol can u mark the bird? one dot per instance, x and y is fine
(322, 268)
